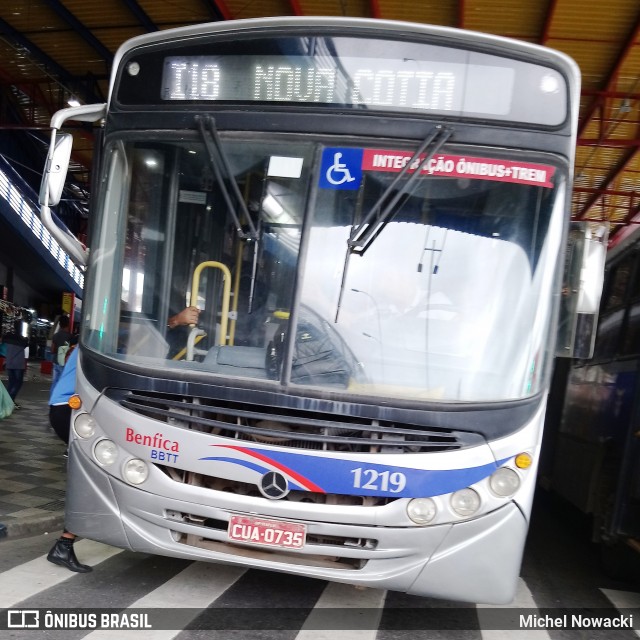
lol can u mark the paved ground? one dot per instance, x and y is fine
(32, 465)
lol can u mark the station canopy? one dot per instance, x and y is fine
(57, 51)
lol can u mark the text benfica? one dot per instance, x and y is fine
(157, 441)
(575, 621)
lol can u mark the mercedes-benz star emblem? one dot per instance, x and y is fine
(273, 485)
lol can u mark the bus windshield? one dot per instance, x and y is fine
(450, 299)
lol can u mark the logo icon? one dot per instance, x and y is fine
(341, 168)
(273, 485)
(23, 619)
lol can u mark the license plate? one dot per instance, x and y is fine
(270, 533)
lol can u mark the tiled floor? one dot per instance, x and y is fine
(32, 465)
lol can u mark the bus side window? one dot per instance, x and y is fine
(613, 311)
(615, 291)
(631, 338)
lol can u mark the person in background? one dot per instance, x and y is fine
(62, 552)
(59, 409)
(15, 362)
(62, 340)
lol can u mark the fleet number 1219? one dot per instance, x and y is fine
(374, 480)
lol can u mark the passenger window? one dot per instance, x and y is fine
(634, 287)
(631, 344)
(607, 339)
(617, 285)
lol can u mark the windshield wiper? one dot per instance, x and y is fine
(220, 162)
(368, 228)
(361, 236)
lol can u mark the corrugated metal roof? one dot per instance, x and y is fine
(52, 49)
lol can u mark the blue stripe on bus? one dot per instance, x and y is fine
(351, 477)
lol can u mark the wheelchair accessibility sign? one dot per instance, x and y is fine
(341, 168)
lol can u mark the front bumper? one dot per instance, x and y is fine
(474, 561)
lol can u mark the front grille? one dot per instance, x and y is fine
(295, 428)
(225, 485)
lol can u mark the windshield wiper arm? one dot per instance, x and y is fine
(218, 160)
(362, 234)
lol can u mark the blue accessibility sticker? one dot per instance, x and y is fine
(341, 168)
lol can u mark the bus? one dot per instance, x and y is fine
(595, 443)
(371, 218)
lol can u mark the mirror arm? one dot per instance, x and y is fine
(69, 243)
(85, 113)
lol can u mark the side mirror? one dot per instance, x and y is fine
(582, 289)
(55, 173)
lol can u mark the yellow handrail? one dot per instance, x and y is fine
(226, 292)
(181, 354)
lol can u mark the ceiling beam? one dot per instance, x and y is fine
(606, 183)
(605, 192)
(607, 142)
(51, 70)
(461, 14)
(597, 106)
(81, 29)
(34, 51)
(610, 94)
(296, 8)
(218, 10)
(612, 77)
(551, 11)
(140, 15)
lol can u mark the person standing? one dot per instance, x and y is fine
(15, 362)
(62, 553)
(60, 343)
(65, 387)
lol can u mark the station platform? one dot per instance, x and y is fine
(33, 468)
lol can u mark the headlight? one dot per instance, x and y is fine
(84, 425)
(136, 471)
(105, 452)
(504, 482)
(422, 510)
(465, 502)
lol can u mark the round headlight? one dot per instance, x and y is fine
(105, 452)
(504, 482)
(465, 502)
(136, 471)
(422, 510)
(84, 425)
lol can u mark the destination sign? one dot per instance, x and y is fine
(320, 72)
(361, 82)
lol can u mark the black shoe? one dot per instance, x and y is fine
(66, 453)
(17, 406)
(63, 554)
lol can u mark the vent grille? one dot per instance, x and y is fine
(295, 428)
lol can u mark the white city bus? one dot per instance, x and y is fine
(371, 217)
